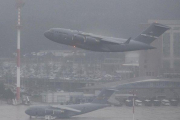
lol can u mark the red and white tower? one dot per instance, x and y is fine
(19, 5)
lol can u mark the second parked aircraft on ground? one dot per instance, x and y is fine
(66, 111)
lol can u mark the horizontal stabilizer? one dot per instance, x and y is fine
(151, 33)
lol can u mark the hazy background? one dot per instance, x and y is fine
(117, 18)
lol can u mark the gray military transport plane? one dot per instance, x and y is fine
(97, 43)
(66, 111)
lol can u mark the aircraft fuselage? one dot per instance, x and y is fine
(60, 113)
(93, 42)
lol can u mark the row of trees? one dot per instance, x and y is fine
(6, 94)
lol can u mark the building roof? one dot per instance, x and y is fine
(151, 84)
(167, 22)
(112, 84)
(139, 83)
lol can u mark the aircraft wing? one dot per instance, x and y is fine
(104, 39)
(66, 108)
(114, 40)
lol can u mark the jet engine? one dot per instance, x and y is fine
(91, 40)
(58, 112)
(49, 112)
(78, 38)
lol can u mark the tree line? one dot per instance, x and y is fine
(6, 93)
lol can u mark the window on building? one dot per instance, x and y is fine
(166, 64)
(145, 66)
(145, 61)
(177, 64)
(149, 73)
(176, 28)
(61, 98)
(176, 44)
(152, 73)
(166, 45)
(44, 98)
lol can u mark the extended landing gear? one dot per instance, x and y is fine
(31, 117)
(49, 117)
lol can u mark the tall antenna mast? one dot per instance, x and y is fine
(19, 5)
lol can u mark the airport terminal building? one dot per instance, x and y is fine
(165, 59)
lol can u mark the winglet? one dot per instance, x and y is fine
(127, 41)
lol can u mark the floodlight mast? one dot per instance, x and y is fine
(19, 5)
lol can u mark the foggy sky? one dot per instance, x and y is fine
(116, 18)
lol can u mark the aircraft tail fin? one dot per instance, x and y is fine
(152, 33)
(127, 41)
(103, 96)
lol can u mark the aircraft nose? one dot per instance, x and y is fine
(27, 111)
(46, 34)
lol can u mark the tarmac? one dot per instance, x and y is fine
(10, 112)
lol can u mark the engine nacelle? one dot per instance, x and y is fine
(78, 38)
(91, 40)
(53, 112)
(49, 112)
(58, 112)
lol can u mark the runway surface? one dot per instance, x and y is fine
(9, 112)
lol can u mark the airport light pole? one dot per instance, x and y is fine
(19, 5)
(133, 104)
(134, 95)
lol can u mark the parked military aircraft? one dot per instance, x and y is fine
(93, 42)
(66, 111)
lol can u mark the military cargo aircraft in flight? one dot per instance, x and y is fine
(66, 111)
(97, 43)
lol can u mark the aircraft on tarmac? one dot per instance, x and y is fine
(66, 111)
(97, 43)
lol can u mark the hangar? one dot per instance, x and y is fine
(143, 87)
